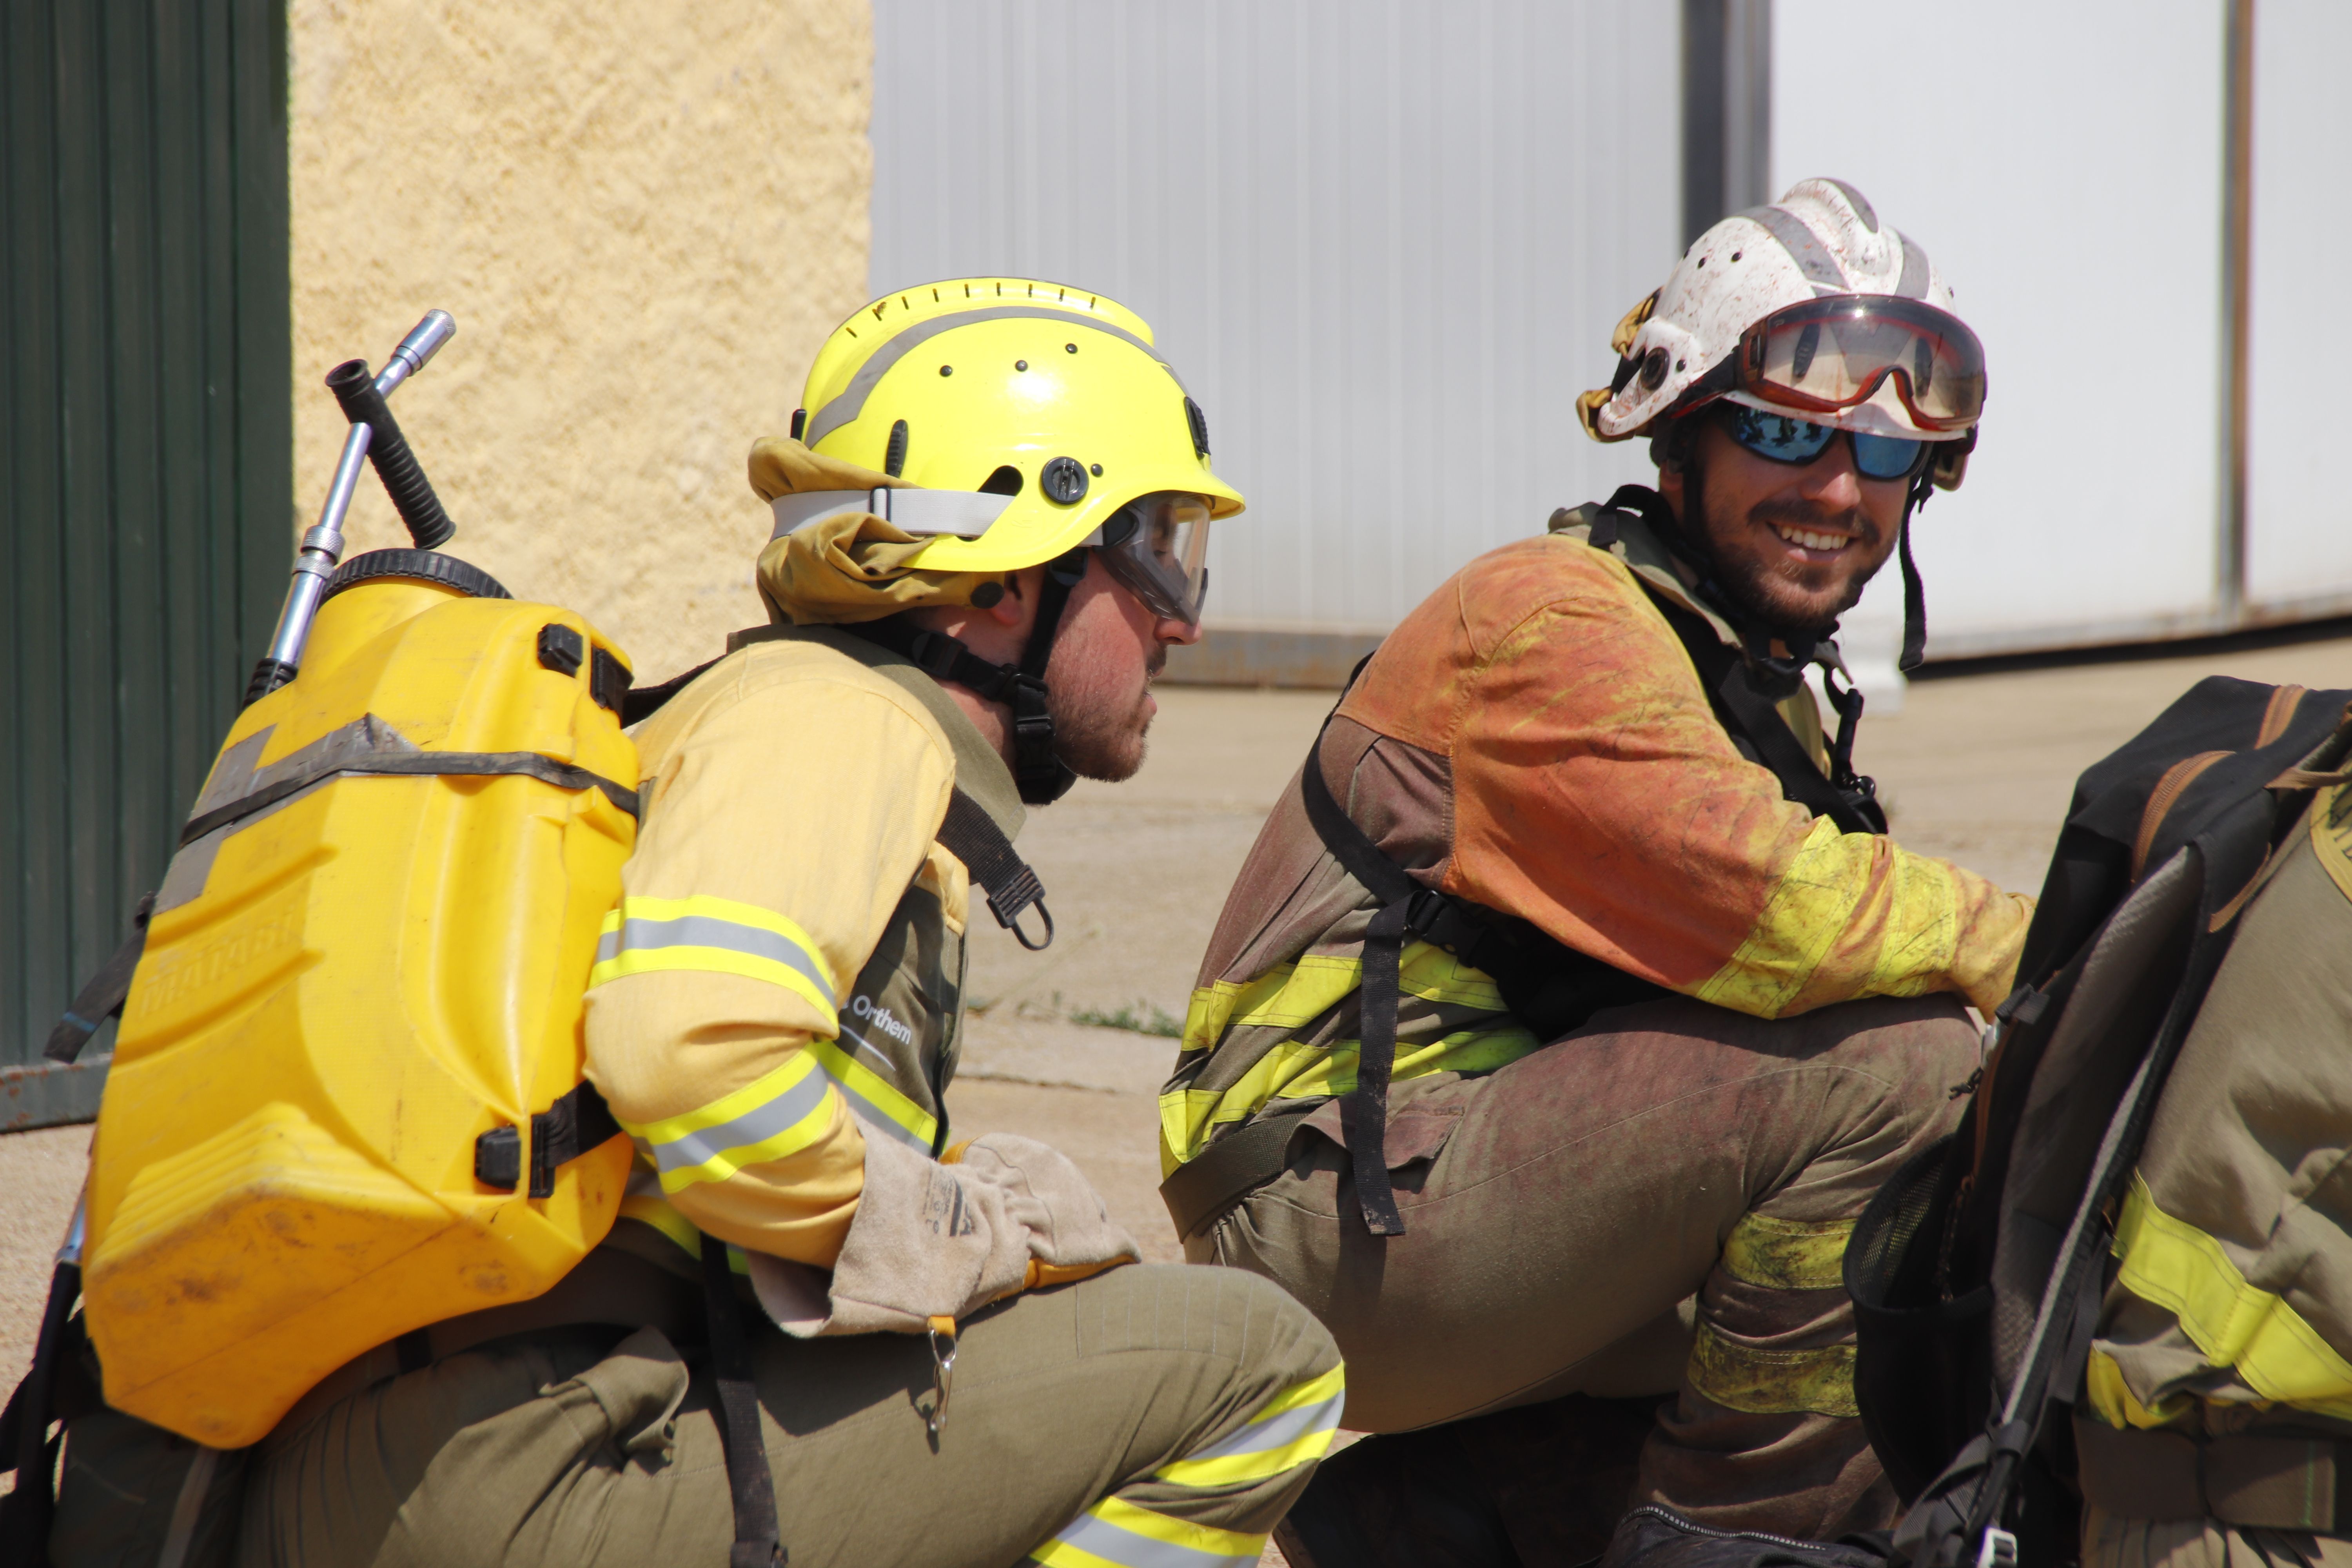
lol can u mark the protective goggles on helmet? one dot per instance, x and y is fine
(1825, 355)
(1785, 439)
(1157, 547)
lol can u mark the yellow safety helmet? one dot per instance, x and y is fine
(1054, 394)
(956, 431)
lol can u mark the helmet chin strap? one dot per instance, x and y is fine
(1914, 596)
(1043, 777)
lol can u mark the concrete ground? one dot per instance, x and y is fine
(1977, 768)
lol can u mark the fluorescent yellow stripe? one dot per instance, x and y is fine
(1786, 1254)
(645, 1205)
(2103, 1383)
(876, 1091)
(1213, 1544)
(1772, 1383)
(1233, 1469)
(712, 961)
(729, 1157)
(2274, 1350)
(663, 1215)
(1292, 1070)
(1314, 1391)
(702, 904)
(747, 927)
(1257, 1464)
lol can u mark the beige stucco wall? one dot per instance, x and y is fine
(646, 215)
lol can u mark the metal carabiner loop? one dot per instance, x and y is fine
(942, 1373)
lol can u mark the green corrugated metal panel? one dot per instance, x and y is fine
(150, 463)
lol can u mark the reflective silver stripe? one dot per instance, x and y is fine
(1090, 1534)
(1912, 284)
(756, 1125)
(967, 514)
(852, 401)
(709, 930)
(1861, 207)
(1812, 257)
(918, 511)
(796, 511)
(1275, 1431)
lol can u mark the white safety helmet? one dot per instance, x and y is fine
(1808, 308)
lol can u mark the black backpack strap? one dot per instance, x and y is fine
(1552, 988)
(640, 703)
(1365, 1111)
(751, 1485)
(29, 1450)
(972, 836)
(577, 1122)
(102, 997)
(1753, 717)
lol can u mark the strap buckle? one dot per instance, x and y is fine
(1998, 1549)
(934, 653)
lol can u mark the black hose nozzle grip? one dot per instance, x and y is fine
(412, 493)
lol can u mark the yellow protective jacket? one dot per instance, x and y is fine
(782, 979)
(1535, 738)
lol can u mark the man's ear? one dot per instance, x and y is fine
(1005, 607)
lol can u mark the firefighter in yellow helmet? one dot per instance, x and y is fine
(989, 528)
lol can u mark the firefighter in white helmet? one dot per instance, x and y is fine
(988, 530)
(1574, 1000)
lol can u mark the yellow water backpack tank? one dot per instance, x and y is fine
(345, 1101)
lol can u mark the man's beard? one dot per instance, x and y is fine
(1753, 586)
(1097, 733)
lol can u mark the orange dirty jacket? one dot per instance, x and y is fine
(1535, 738)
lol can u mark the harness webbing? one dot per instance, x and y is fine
(1043, 777)
(749, 1485)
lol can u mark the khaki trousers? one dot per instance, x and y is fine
(1144, 1409)
(2112, 1543)
(1560, 1210)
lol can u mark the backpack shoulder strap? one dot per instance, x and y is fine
(972, 836)
(1540, 979)
(1750, 716)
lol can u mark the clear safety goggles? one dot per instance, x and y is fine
(1157, 547)
(1826, 355)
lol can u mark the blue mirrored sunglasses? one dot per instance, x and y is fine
(1786, 440)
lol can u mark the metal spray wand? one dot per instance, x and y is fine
(374, 434)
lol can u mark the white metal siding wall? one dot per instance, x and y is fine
(2065, 166)
(2299, 521)
(1383, 243)
(2062, 165)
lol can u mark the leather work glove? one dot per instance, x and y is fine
(935, 1240)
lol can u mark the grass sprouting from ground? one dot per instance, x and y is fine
(1139, 1016)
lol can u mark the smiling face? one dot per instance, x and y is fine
(1793, 542)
